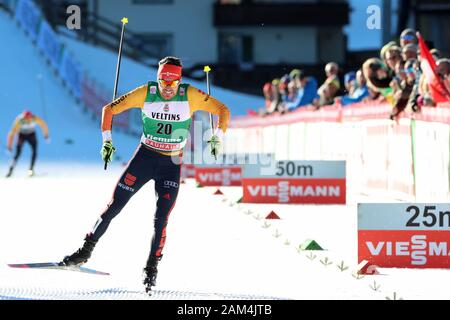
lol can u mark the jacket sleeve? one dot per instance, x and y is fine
(132, 99)
(41, 123)
(199, 100)
(14, 129)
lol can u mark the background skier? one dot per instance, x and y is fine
(25, 126)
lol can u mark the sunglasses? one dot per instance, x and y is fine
(408, 37)
(171, 84)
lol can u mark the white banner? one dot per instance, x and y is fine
(405, 159)
(431, 161)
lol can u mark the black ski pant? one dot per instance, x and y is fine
(145, 165)
(30, 138)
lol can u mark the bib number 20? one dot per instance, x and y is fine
(164, 128)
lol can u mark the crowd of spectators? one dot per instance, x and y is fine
(292, 91)
(398, 76)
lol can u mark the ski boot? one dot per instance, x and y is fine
(30, 173)
(10, 171)
(11, 168)
(80, 256)
(150, 273)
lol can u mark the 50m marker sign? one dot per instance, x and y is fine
(318, 182)
(414, 235)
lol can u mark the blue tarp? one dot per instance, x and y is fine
(50, 45)
(71, 71)
(29, 17)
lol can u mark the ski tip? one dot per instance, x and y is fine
(57, 265)
(35, 265)
(14, 265)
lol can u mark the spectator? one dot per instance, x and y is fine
(412, 69)
(376, 75)
(306, 91)
(275, 98)
(360, 79)
(399, 77)
(425, 98)
(332, 70)
(283, 87)
(393, 56)
(295, 74)
(443, 71)
(350, 82)
(359, 94)
(409, 51)
(413, 74)
(378, 78)
(403, 87)
(385, 48)
(267, 91)
(408, 36)
(436, 54)
(329, 89)
(292, 91)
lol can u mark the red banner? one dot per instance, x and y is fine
(437, 89)
(405, 248)
(218, 176)
(317, 191)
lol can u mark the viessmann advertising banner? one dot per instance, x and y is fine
(218, 176)
(404, 235)
(315, 182)
(227, 170)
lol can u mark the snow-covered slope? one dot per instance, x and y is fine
(74, 136)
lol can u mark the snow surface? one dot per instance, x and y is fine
(215, 249)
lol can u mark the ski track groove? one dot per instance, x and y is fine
(38, 293)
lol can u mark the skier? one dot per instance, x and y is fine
(167, 106)
(25, 125)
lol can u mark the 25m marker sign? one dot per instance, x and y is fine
(414, 235)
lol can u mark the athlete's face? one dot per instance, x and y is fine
(168, 89)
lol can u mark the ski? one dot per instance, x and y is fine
(57, 266)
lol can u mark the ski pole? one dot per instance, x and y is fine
(207, 69)
(119, 60)
(41, 92)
